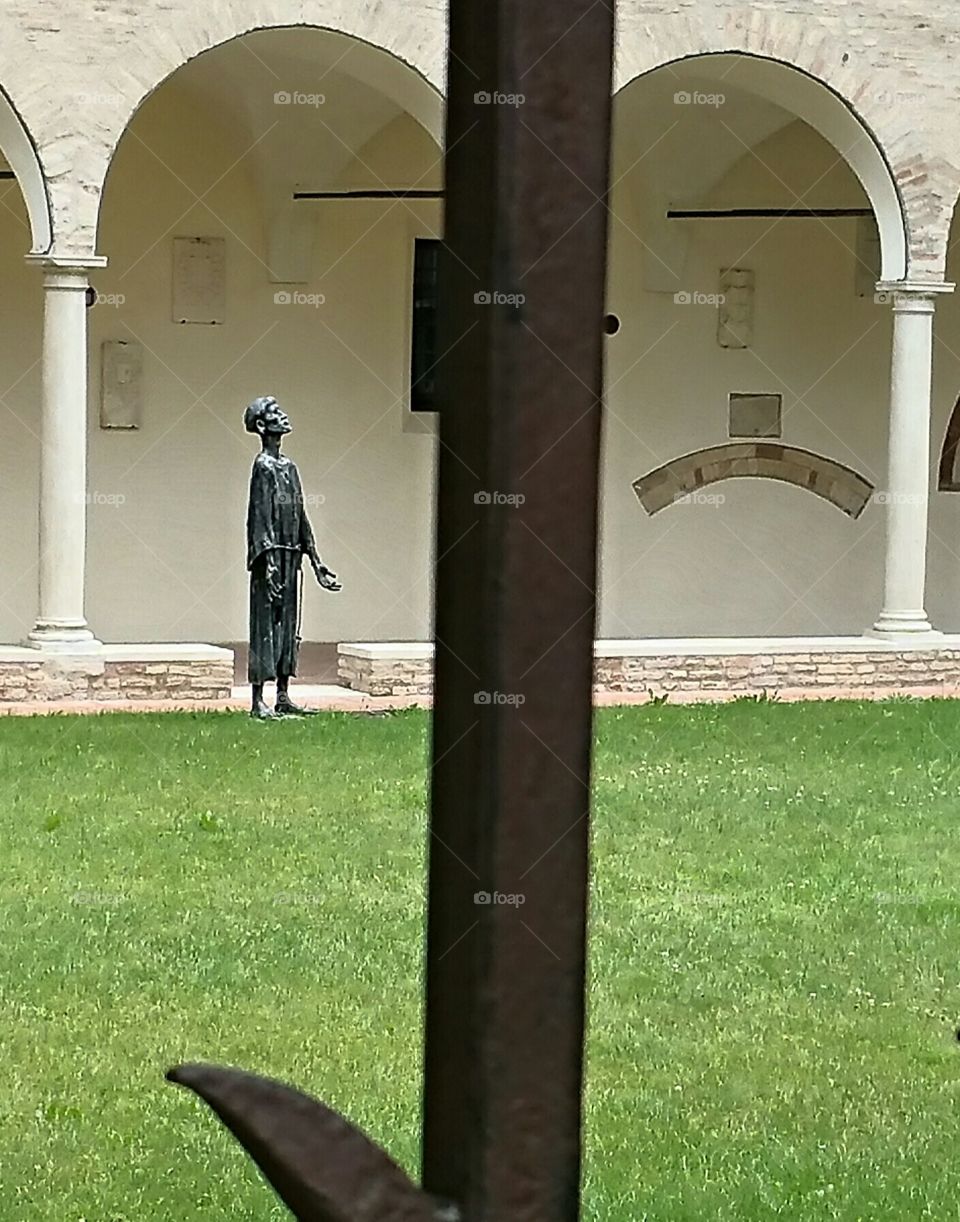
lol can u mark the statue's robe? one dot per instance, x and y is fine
(277, 527)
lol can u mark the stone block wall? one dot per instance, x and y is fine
(870, 670)
(46, 679)
(386, 676)
(884, 669)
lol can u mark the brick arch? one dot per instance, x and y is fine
(412, 34)
(925, 190)
(684, 477)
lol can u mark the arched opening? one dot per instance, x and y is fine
(753, 215)
(24, 229)
(260, 217)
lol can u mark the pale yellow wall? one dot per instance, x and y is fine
(20, 414)
(168, 563)
(943, 550)
(771, 559)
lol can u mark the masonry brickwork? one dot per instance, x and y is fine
(663, 674)
(46, 679)
(75, 72)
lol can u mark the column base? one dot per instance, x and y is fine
(63, 638)
(912, 625)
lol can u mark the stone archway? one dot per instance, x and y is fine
(809, 98)
(17, 146)
(409, 53)
(873, 99)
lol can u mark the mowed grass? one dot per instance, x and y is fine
(775, 962)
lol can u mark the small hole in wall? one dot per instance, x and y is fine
(611, 324)
(91, 296)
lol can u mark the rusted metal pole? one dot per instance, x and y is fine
(521, 296)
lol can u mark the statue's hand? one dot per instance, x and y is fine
(326, 578)
(274, 585)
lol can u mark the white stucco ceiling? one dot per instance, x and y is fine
(300, 145)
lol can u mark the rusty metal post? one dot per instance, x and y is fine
(522, 294)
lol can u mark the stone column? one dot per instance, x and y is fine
(908, 480)
(61, 625)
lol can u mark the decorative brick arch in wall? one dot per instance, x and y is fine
(684, 477)
(921, 186)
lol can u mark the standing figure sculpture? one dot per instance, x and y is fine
(278, 537)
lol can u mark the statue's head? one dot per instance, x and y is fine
(265, 415)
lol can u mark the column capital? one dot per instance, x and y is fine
(69, 272)
(67, 263)
(913, 296)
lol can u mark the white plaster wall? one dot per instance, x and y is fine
(20, 416)
(167, 562)
(76, 75)
(943, 549)
(769, 559)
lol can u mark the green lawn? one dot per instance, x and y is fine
(775, 955)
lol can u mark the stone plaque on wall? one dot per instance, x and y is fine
(735, 321)
(199, 280)
(121, 384)
(754, 415)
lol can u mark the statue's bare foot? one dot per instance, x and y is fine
(261, 712)
(286, 708)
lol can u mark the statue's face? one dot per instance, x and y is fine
(274, 419)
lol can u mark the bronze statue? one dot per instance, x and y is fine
(278, 537)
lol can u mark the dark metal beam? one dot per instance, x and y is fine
(521, 305)
(386, 193)
(687, 214)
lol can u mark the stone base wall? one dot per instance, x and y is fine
(665, 673)
(49, 679)
(770, 672)
(386, 677)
